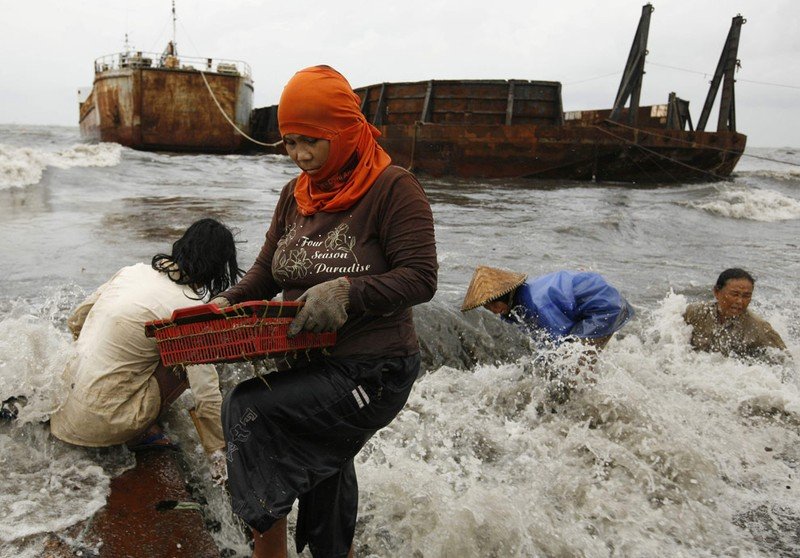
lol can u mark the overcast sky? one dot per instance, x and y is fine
(47, 48)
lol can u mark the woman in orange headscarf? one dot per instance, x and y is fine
(353, 237)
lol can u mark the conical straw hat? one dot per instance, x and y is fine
(489, 283)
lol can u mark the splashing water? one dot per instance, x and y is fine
(46, 485)
(757, 205)
(664, 452)
(21, 166)
(32, 357)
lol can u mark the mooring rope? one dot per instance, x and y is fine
(705, 146)
(231, 122)
(656, 153)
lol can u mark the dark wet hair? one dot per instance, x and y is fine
(205, 256)
(733, 273)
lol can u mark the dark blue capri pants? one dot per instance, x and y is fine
(295, 437)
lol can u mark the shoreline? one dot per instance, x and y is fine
(149, 511)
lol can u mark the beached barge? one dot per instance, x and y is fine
(509, 129)
(165, 102)
(517, 128)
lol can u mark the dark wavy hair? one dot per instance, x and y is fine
(205, 256)
(733, 273)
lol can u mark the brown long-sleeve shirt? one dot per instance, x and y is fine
(745, 335)
(384, 244)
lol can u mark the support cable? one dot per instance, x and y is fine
(672, 138)
(656, 153)
(231, 122)
(706, 74)
(593, 78)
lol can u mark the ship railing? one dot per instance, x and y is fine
(140, 59)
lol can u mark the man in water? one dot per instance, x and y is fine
(563, 304)
(728, 327)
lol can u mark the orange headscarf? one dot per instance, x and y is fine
(318, 102)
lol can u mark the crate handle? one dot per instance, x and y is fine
(198, 310)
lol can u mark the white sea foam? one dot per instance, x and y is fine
(663, 451)
(50, 488)
(756, 205)
(783, 174)
(32, 357)
(46, 485)
(669, 453)
(21, 166)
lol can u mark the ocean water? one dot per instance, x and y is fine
(654, 451)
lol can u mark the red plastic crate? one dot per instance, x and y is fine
(247, 331)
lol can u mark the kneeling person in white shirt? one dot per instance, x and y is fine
(117, 385)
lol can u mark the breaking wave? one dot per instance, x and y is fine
(756, 205)
(781, 175)
(46, 485)
(32, 357)
(53, 487)
(661, 452)
(22, 166)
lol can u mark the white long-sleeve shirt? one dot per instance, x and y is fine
(113, 394)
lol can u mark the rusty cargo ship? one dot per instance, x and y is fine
(518, 129)
(163, 102)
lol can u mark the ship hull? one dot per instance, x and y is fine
(160, 109)
(602, 153)
(517, 128)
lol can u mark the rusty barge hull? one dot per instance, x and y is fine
(167, 109)
(517, 128)
(602, 153)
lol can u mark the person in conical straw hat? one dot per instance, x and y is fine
(491, 287)
(564, 304)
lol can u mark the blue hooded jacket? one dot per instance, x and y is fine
(571, 303)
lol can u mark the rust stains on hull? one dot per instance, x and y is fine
(167, 108)
(516, 128)
(602, 152)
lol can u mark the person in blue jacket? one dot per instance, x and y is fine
(564, 304)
